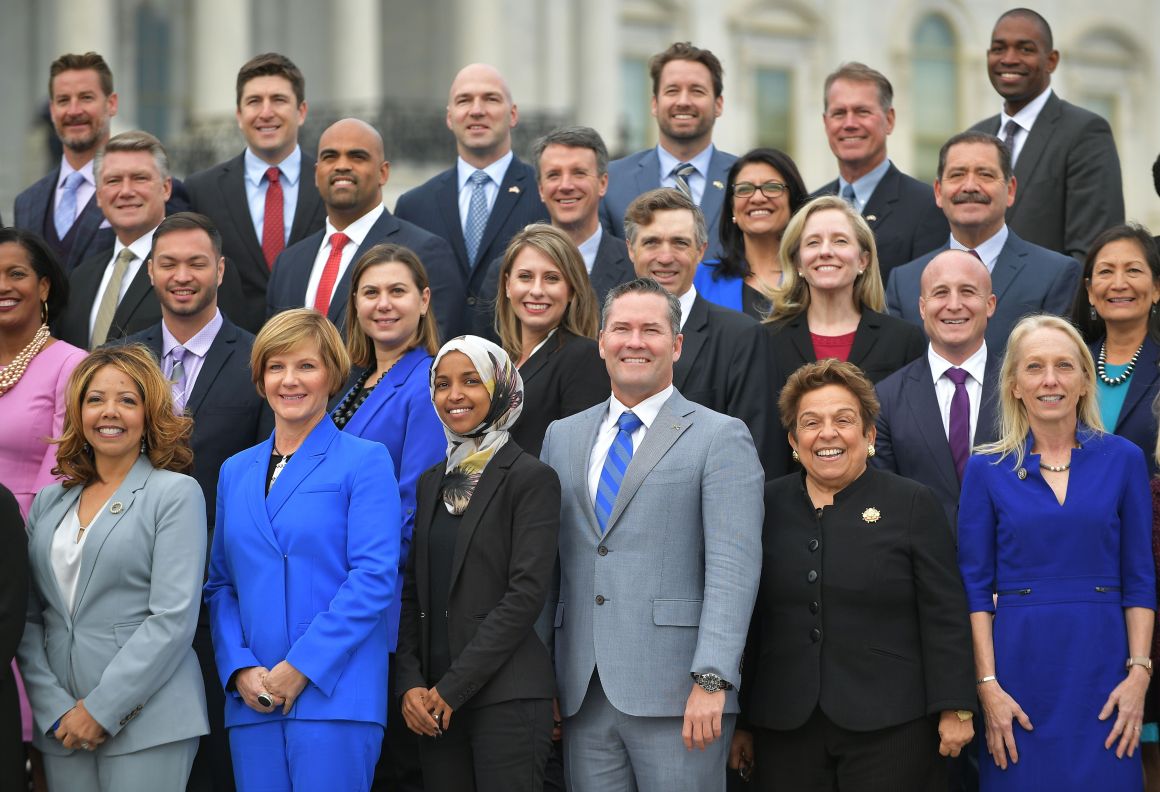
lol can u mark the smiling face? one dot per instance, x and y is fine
(830, 258)
(684, 105)
(389, 305)
(830, 438)
(1049, 377)
(461, 399)
(186, 274)
(759, 214)
(481, 114)
(269, 116)
(351, 171)
(638, 347)
(538, 291)
(955, 304)
(131, 193)
(666, 250)
(570, 187)
(857, 126)
(1121, 287)
(972, 192)
(112, 415)
(297, 386)
(21, 293)
(1019, 63)
(80, 110)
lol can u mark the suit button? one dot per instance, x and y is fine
(471, 301)
(446, 615)
(812, 577)
(422, 615)
(814, 607)
(602, 550)
(599, 599)
(815, 635)
(814, 545)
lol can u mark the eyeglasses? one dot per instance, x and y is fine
(770, 189)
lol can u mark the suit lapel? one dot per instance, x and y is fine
(511, 192)
(428, 502)
(535, 364)
(40, 552)
(1143, 381)
(1008, 265)
(447, 200)
(1036, 142)
(139, 289)
(927, 416)
(799, 333)
(219, 352)
(385, 391)
(648, 173)
(987, 428)
(232, 187)
(695, 332)
(885, 195)
(713, 196)
(253, 488)
(493, 475)
(309, 204)
(864, 338)
(611, 266)
(385, 226)
(88, 224)
(583, 439)
(302, 464)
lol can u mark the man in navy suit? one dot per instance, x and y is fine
(1064, 156)
(316, 272)
(975, 185)
(478, 205)
(686, 84)
(211, 384)
(858, 116)
(273, 173)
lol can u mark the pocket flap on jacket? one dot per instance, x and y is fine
(123, 632)
(677, 613)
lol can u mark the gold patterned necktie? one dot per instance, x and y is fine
(110, 299)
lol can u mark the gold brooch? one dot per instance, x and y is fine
(718, 184)
(1021, 473)
(514, 189)
(116, 507)
(871, 515)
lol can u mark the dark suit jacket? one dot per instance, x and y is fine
(434, 206)
(500, 576)
(903, 216)
(911, 440)
(219, 193)
(137, 310)
(722, 367)
(1067, 178)
(228, 414)
(13, 608)
(565, 376)
(34, 207)
(287, 288)
(1027, 279)
(1137, 422)
(638, 173)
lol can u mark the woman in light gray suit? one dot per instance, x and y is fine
(117, 553)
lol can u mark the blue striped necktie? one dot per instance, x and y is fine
(615, 464)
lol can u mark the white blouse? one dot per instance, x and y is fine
(67, 544)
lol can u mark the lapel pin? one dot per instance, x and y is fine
(871, 218)
(116, 507)
(718, 184)
(871, 515)
(514, 189)
(1021, 473)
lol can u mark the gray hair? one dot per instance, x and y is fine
(573, 137)
(644, 286)
(133, 141)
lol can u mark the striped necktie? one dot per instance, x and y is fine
(615, 465)
(681, 175)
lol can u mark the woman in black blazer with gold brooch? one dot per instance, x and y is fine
(478, 680)
(547, 320)
(858, 669)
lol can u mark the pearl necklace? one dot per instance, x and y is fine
(15, 370)
(1101, 366)
(1055, 468)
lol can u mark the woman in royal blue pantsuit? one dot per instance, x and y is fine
(1055, 519)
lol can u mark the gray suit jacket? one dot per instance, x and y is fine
(125, 646)
(669, 588)
(1027, 279)
(1067, 178)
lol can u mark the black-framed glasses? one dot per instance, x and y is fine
(770, 189)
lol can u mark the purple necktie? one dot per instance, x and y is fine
(960, 428)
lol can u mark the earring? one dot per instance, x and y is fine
(44, 312)
(1153, 309)
(1095, 316)
(86, 448)
(144, 448)
(795, 456)
(870, 451)
(734, 219)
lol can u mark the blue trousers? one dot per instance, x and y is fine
(305, 755)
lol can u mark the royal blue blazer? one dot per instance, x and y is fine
(307, 574)
(724, 290)
(398, 413)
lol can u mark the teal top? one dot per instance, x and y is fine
(1111, 397)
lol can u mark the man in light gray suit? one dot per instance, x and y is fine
(660, 554)
(975, 185)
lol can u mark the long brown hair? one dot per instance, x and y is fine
(359, 345)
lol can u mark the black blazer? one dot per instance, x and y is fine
(911, 440)
(137, 310)
(13, 608)
(219, 193)
(903, 216)
(1137, 422)
(287, 288)
(882, 636)
(500, 576)
(228, 414)
(566, 375)
(434, 206)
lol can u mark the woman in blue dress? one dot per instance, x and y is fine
(1058, 575)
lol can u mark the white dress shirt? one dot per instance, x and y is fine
(256, 186)
(646, 411)
(589, 248)
(66, 551)
(496, 170)
(988, 251)
(356, 232)
(141, 249)
(1024, 119)
(686, 300)
(944, 389)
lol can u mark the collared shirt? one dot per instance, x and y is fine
(696, 179)
(141, 248)
(864, 188)
(646, 411)
(944, 389)
(988, 251)
(85, 190)
(1025, 118)
(357, 232)
(256, 186)
(196, 349)
(686, 300)
(496, 170)
(589, 248)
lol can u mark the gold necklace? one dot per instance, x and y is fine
(15, 370)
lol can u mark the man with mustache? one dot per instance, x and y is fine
(686, 102)
(315, 273)
(974, 188)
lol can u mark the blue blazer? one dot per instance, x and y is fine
(1137, 422)
(638, 173)
(307, 574)
(398, 413)
(724, 290)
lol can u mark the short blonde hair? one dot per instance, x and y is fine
(166, 434)
(792, 297)
(290, 328)
(1014, 424)
(359, 345)
(814, 376)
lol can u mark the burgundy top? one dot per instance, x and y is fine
(832, 346)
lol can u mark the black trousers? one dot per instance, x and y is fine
(398, 768)
(496, 748)
(821, 756)
(213, 768)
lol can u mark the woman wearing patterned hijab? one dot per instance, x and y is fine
(474, 672)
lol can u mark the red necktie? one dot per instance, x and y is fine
(330, 273)
(273, 225)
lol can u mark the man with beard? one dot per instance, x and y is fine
(315, 273)
(974, 187)
(62, 207)
(687, 84)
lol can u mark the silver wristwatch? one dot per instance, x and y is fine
(711, 683)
